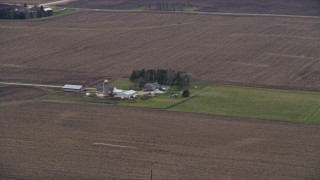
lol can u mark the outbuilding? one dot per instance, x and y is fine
(74, 88)
(117, 91)
(48, 11)
(127, 94)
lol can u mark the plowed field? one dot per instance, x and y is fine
(65, 141)
(88, 46)
(296, 7)
(26, 1)
(20, 94)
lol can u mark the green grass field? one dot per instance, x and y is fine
(296, 106)
(63, 11)
(123, 83)
(247, 102)
(74, 97)
(188, 8)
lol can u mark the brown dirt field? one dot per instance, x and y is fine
(20, 94)
(26, 1)
(257, 51)
(52, 76)
(292, 7)
(72, 141)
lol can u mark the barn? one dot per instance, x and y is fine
(73, 88)
(127, 94)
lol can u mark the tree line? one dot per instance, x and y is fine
(161, 76)
(22, 12)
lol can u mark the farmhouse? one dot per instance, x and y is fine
(151, 86)
(155, 87)
(73, 88)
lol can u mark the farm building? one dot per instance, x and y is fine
(157, 91)
(155, 86)
(151, 86)
(127, 94)
(48, 11)
(73, 88)
(117, 91)
(105, 88)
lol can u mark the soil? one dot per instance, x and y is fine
(291, 7)
(41, 140)
(21, 94)
(72, 141)
(273, 52)
(26, 1)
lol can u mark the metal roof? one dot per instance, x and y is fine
(69, 86)
(47, 9)
(115, 90)
(130, 92)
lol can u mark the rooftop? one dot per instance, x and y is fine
(47, 9)
(69, 86)
(130, 92)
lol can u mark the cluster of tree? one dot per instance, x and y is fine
(165, 5)
(10, 13)
(162, 76)
(22, 12)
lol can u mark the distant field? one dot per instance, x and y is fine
(26, 1)
(256, 103)
(60, 12)
(289, 7)
(20, 93)
(40, 140)
(254, 51)
(78, 137)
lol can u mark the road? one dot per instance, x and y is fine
(56, 2)
(34, 85)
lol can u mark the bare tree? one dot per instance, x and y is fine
(184, 79)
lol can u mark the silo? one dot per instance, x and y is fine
(105, 87)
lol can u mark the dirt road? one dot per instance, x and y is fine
(33, 85)
(57, 2)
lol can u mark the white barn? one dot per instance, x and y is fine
(117, 91)
(127, 94)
